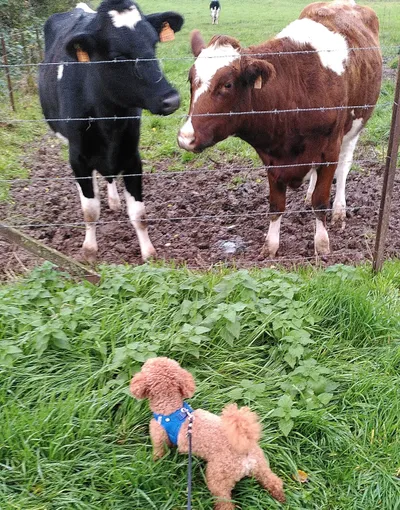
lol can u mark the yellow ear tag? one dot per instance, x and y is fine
(167, 34)
(258, 83)
(82, 56)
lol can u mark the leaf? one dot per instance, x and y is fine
(233, 328)
(278, 412)
(286, 426)
(230, 315)
(246, 383)
(300, 476)
(227, 336)
(235, 394)
(325, 398)
(200, 330)
(285, 402)
(290, 360)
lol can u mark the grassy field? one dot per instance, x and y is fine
(316, 354)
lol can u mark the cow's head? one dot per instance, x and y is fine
(222, 81)
(120, 31)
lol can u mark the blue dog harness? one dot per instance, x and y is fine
(173, 422)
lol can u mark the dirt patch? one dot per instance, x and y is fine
(196, 218)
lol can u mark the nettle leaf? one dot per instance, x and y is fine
(286, 426)
(234, 328)
(230, 315)
(61, 340)
(236, 393)
(278, 413)
(325, 398)
(200, 330)
(246, 383)
(120, 356)
(290, 360)
(285, 402)
(227, 336)
(296, 351)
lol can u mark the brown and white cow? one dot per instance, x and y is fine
(327, 58)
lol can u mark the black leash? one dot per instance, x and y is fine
(189, 477)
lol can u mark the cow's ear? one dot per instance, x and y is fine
(197, 42)
(81, 47)
(158, 20)
(256, 72)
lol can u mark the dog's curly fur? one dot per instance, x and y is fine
(229, 443)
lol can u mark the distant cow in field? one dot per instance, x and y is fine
(315, 63)
(119, 36)
(215, 9)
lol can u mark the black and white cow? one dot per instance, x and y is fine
(215, 8)
(117, 32)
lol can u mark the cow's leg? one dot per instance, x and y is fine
(277, 202)
(136, 208)
(320, 203)
(114, 201)
(90, 201)
(345, 160)
(311, 186)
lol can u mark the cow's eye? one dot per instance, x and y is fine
(228, 85)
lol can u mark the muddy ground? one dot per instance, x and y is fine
(235, 201)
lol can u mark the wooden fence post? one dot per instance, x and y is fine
(39, 45)
(388, 180)
(37, 248)
(7, 71)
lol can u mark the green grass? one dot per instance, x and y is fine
(71, 437)
(252, 23)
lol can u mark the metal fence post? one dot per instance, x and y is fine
(388, 180)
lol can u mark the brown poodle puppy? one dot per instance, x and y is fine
(228, 442)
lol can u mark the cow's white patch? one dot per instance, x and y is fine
(63, 139)
(137, 215)
(114, 201)
(312, 175)
(91, 214)
(186, 135)
(209, 61)
(345, 160)
(60, 71)
(84, 7)
(332, 47)
(321, 238)
(273, 236)
(128, 18)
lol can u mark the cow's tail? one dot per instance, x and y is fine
(241, 427)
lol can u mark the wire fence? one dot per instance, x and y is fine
(29, 52)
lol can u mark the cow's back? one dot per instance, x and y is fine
(360, 27)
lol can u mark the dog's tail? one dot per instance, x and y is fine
(241, 426)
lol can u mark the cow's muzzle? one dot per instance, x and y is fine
(170, 103)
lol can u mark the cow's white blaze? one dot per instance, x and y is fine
(332, 47)
(91, 214)
(273, 236)
(345, 160)
(60, 71)
(321, 238)
(114, 201)
(128, 18)
(212, 59)
(137, 215)
(84, 7)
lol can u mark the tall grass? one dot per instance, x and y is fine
(71, 437)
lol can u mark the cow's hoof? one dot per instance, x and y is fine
(339, 214)
(114, 204)
(90, 254)
(322, 246)
(269, 250)
(149, 254)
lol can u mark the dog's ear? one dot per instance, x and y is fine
(187, 385)
(138, 386)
